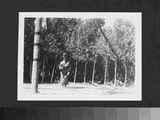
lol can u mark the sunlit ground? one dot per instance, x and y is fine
(82, 91)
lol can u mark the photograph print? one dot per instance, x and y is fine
(79, 56)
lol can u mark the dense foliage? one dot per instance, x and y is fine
(97, 54)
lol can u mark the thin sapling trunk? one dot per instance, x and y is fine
(93, 71)
(115, 73)
(85, 70)
(75, 74)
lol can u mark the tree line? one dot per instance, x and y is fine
(98, 54)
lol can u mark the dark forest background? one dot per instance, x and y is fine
(88, 49)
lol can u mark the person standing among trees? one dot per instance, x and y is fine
(64, 68)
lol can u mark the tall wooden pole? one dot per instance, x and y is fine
(34, 78)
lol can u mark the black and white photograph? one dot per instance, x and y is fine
(79, 56)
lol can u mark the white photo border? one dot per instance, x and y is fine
(134, 17)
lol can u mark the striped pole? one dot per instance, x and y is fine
(34, 77)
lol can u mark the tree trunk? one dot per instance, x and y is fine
(52, 74)
(125, 77)
(85, 70)
(53, 70)
(35, 56)
(106, 72)
(107, 41)
(115, 73)
(75, 74)
(93, 71)
(30, 71)
(43, 73)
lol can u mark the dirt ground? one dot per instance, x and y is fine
(77, 91)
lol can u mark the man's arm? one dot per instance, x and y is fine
(67, 64)
(61, 66)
